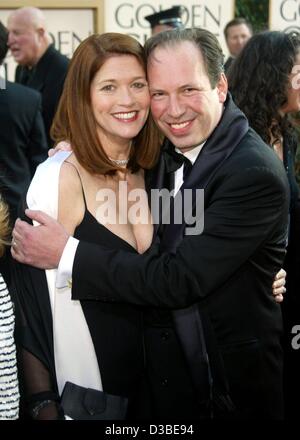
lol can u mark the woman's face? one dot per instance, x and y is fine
(120, 99)
(293, 89)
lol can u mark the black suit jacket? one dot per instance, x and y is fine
(228, 269)
(48, 78)
(228, 63)
(23, 142)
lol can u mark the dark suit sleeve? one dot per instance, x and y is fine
(51, 95)
(18, 73)
(249, 208)
(37, 147)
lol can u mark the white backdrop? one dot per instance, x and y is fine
(70, 26)
(284, 15)
(128, 16)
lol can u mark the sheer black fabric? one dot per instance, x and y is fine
(34, 339)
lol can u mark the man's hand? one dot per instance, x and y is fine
(278, 286)
(39, 246)
(61, 146)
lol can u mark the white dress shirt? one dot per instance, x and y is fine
(191, 156)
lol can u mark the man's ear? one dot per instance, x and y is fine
(41, 32)
(222, 88)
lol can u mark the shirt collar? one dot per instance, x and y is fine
(192, 154)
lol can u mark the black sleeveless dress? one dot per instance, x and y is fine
(116, 330)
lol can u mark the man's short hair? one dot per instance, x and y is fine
(236, 22)
(3, 42)
(203, 39)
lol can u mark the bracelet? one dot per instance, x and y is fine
(34, 412)
(33, 399)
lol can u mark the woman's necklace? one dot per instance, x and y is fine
(120, 162)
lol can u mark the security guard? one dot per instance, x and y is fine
(167, 19)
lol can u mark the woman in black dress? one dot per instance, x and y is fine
(104, 116)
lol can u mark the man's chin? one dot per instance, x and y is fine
(180, 143)
(20, 61)
(185, 149)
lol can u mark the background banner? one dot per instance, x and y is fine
(128, 16)
(284, 15)
(67, 28)
(70, 21)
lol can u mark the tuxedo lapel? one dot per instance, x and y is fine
(219, 146)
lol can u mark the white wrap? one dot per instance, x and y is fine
(75, 358)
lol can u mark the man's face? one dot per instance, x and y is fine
(183, 103)
(237, 37)
(23, 40)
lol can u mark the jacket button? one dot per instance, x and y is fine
(164, 382)
(165, 336)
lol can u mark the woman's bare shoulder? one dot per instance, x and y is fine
(70, 200)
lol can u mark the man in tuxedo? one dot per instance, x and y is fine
(23, 142)
(237, 32)
(221, 356)
(40, 65)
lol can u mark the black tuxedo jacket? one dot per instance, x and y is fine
(228, 63)
(48, 78)
(22, 141)
(228, 269)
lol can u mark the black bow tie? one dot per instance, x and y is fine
(174, 160)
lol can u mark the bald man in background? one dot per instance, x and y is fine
(23, 143)
(40, 65)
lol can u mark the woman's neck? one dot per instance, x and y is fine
(116, 149)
